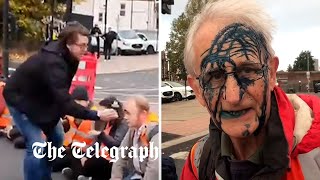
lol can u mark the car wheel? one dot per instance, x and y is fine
(150, 50)
(177, 96)
(119, 52)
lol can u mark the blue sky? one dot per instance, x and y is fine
(297, 27)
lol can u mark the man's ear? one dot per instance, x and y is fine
(274, 63)
(194, 84)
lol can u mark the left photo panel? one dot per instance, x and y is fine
(79, 90)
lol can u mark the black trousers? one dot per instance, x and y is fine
(107, 51)
(97, 168)
(95, 49)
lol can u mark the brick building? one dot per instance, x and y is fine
(297, 80)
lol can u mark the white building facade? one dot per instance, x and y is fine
(144, 13)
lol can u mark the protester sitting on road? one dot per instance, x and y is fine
(76, 130)
(112, 135)
(37, 95)
(256, 131)
(140, 134)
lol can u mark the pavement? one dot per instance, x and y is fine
(183, 123)
(123, 64)
(122, 77)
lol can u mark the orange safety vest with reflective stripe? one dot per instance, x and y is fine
(80, 133)
(5, 118)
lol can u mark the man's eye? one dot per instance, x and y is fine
(217, 75)
(248, 71)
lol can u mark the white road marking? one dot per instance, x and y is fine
(180, 155)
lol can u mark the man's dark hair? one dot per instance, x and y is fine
(69, 35)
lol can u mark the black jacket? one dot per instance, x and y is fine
(40, 87)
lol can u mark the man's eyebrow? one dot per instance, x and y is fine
(246, 64)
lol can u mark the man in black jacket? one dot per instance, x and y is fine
(37, 95)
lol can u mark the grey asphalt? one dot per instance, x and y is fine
(121, 85)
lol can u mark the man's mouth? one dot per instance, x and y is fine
(233, 114)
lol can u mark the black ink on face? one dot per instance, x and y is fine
(234, 41)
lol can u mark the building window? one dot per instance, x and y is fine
(122, 9)
(100, 17)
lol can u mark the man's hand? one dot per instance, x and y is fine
(94, 133)
(108, 115)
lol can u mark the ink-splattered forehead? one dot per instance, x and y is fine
(235, 43)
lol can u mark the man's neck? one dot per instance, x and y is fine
(243, 148)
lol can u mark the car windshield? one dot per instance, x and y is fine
(175, 84)
(163, 84)
(128, 34)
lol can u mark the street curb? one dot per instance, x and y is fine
(130, 71)
(183, 139)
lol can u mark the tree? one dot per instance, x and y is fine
(175, 46)
(290, 68)
(301, 62)
(30, 14)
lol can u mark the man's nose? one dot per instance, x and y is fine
(232, 90)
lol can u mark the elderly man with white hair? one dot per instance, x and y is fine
(256, 131)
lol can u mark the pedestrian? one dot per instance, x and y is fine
(256, 131)
(37, 95)
(95, 34)
(109, 37)
(141, 133)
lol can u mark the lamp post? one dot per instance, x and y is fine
(105, 16)
(52, 19)
(5, 52)
(131, 14)
(308, 76)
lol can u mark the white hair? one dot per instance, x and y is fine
(246, 12)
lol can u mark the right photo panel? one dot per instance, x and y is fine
(239, 89)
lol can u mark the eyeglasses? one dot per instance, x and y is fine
(217, 78)
(82, 46)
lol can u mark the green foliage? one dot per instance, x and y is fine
(301, 62)
(30, 14)
(289, 68)
(175, 46)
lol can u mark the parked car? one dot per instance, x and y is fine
(317, 87)
(149, 46)
(127, 42)
(180, 91)
(166, 93)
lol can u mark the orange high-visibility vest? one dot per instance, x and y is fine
(80, 133)
(5, 118)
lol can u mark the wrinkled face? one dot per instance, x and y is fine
(82, 103)
(235, 77)
(132, 114)
(79, 48)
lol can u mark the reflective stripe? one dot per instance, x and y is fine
(8, 116)
(218, 176)
(82, 134)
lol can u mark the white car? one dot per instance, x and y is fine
(180, 91)
(127, 42)
(150, 46)
(166, 93)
